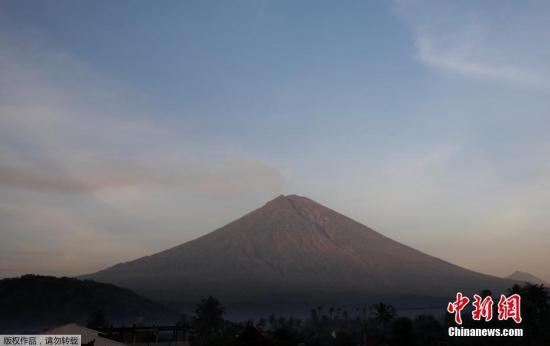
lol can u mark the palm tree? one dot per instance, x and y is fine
(363, 320)
(536, 303)
(535, 309)
(383, 313)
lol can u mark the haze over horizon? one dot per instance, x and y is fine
(130, 130)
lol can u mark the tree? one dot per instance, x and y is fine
(183, 324)
(208, 319)
(272, 321)
(97, 320)
(515, 289)
(250, 336)
(536, 308)
(402, 329)
(486, 293)
(262, 323)
(382, 313)
(427, 327)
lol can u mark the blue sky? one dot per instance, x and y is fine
(141, 125)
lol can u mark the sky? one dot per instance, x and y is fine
(130, 127)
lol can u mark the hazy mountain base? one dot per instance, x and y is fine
(409, 306)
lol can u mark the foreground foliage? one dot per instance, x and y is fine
(378, 324)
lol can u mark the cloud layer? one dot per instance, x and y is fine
(81, 164)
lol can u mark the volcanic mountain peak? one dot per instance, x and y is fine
(299, 214)
(306, 208)
(302, 206)
(293, 249)
(288, 207)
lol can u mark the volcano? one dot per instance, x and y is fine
(293, 250)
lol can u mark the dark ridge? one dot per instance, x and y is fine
(35, 303)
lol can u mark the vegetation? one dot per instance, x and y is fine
(378, 324)
(98, 320)
(34, 297)
(208, 322)
(33, 303)
(383, 313)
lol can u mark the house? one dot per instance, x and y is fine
(89, 336)
(149, 335)
(135, 336)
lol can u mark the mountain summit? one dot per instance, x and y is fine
(293, 250)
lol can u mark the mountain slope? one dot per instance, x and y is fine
(526, 277)
(37, 302)
(293, 250)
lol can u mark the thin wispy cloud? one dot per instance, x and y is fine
(27, 179)
(491, 43)
(456, 62)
